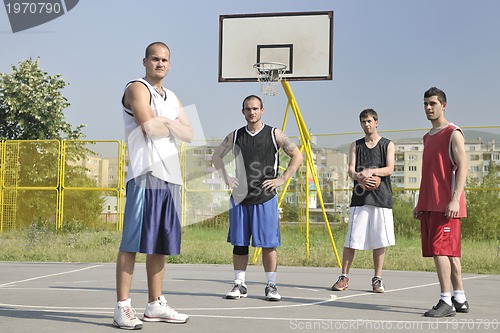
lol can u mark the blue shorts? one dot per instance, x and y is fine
(260, 222)
(151, 222)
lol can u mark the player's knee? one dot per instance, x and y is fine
(240, 250)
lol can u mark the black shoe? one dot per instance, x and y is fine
(460, 307)
(442, 309)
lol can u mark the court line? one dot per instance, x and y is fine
(408, 288)
(49, 275)
(331, 299)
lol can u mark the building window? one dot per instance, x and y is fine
(474, 168)
(474, 157)
(412, 179)
(412, 168)
(412, 157)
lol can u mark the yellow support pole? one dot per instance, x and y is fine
(308, 247)
(304, 134)
(2, 171)
(122, 151)
(60, 185)
(182, 160)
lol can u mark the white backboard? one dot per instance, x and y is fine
(303, 41)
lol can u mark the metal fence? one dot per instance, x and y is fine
(58, 181)
(81, 180)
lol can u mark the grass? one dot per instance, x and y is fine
(207, 245)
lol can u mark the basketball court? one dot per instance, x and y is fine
(80, 297)
(270, 49)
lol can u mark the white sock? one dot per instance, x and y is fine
(239, 275)
(459, 296)
(271, 277)
(125, 302)
(446, 297)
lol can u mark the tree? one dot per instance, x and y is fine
(31, 105)
(31, 108)
(483, 207)
(404, 223)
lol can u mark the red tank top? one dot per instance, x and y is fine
(438, 173)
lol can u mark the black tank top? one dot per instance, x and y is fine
(256, 160)
(375, 157)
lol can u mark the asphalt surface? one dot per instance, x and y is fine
(80, 297)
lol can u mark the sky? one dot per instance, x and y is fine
(386, 54)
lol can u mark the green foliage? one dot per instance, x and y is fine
(220, 221)
(203, 244)
(35, 206)
(290, 212)
(31, 105)
(38, 231)
(483, 207)
(31, 108)
(402, 210)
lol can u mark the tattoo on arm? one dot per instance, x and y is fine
(288, 146)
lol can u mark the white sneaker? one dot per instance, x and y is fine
(271, 292)
(159, 310)
(125, 316)
(239, 290)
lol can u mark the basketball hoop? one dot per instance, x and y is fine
(269, 75)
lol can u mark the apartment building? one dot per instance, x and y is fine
(204, 184)
(408, 161)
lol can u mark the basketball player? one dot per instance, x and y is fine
(253, 210)
(441, 203)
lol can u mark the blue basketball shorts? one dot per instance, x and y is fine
(151, 221)
(259, 222)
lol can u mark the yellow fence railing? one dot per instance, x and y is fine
(37, 177)
(71, 180)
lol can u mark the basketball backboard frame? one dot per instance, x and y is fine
(246, 39)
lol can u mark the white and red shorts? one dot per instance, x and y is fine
(440, 235)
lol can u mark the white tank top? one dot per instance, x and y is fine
(156, 155)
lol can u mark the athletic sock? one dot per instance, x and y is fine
(271, 277)
(239, 275)
(446, 297)
(459, 296)
(343, 274)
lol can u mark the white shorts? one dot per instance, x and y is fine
(370, 228)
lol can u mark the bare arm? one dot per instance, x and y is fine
(351, 170)
(137, 99)
(460, 159)
(217, 159)
(180, 128)
(389, 162)
(364, 174)
(381, 172)
(296, 159)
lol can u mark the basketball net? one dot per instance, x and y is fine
(269, 75)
